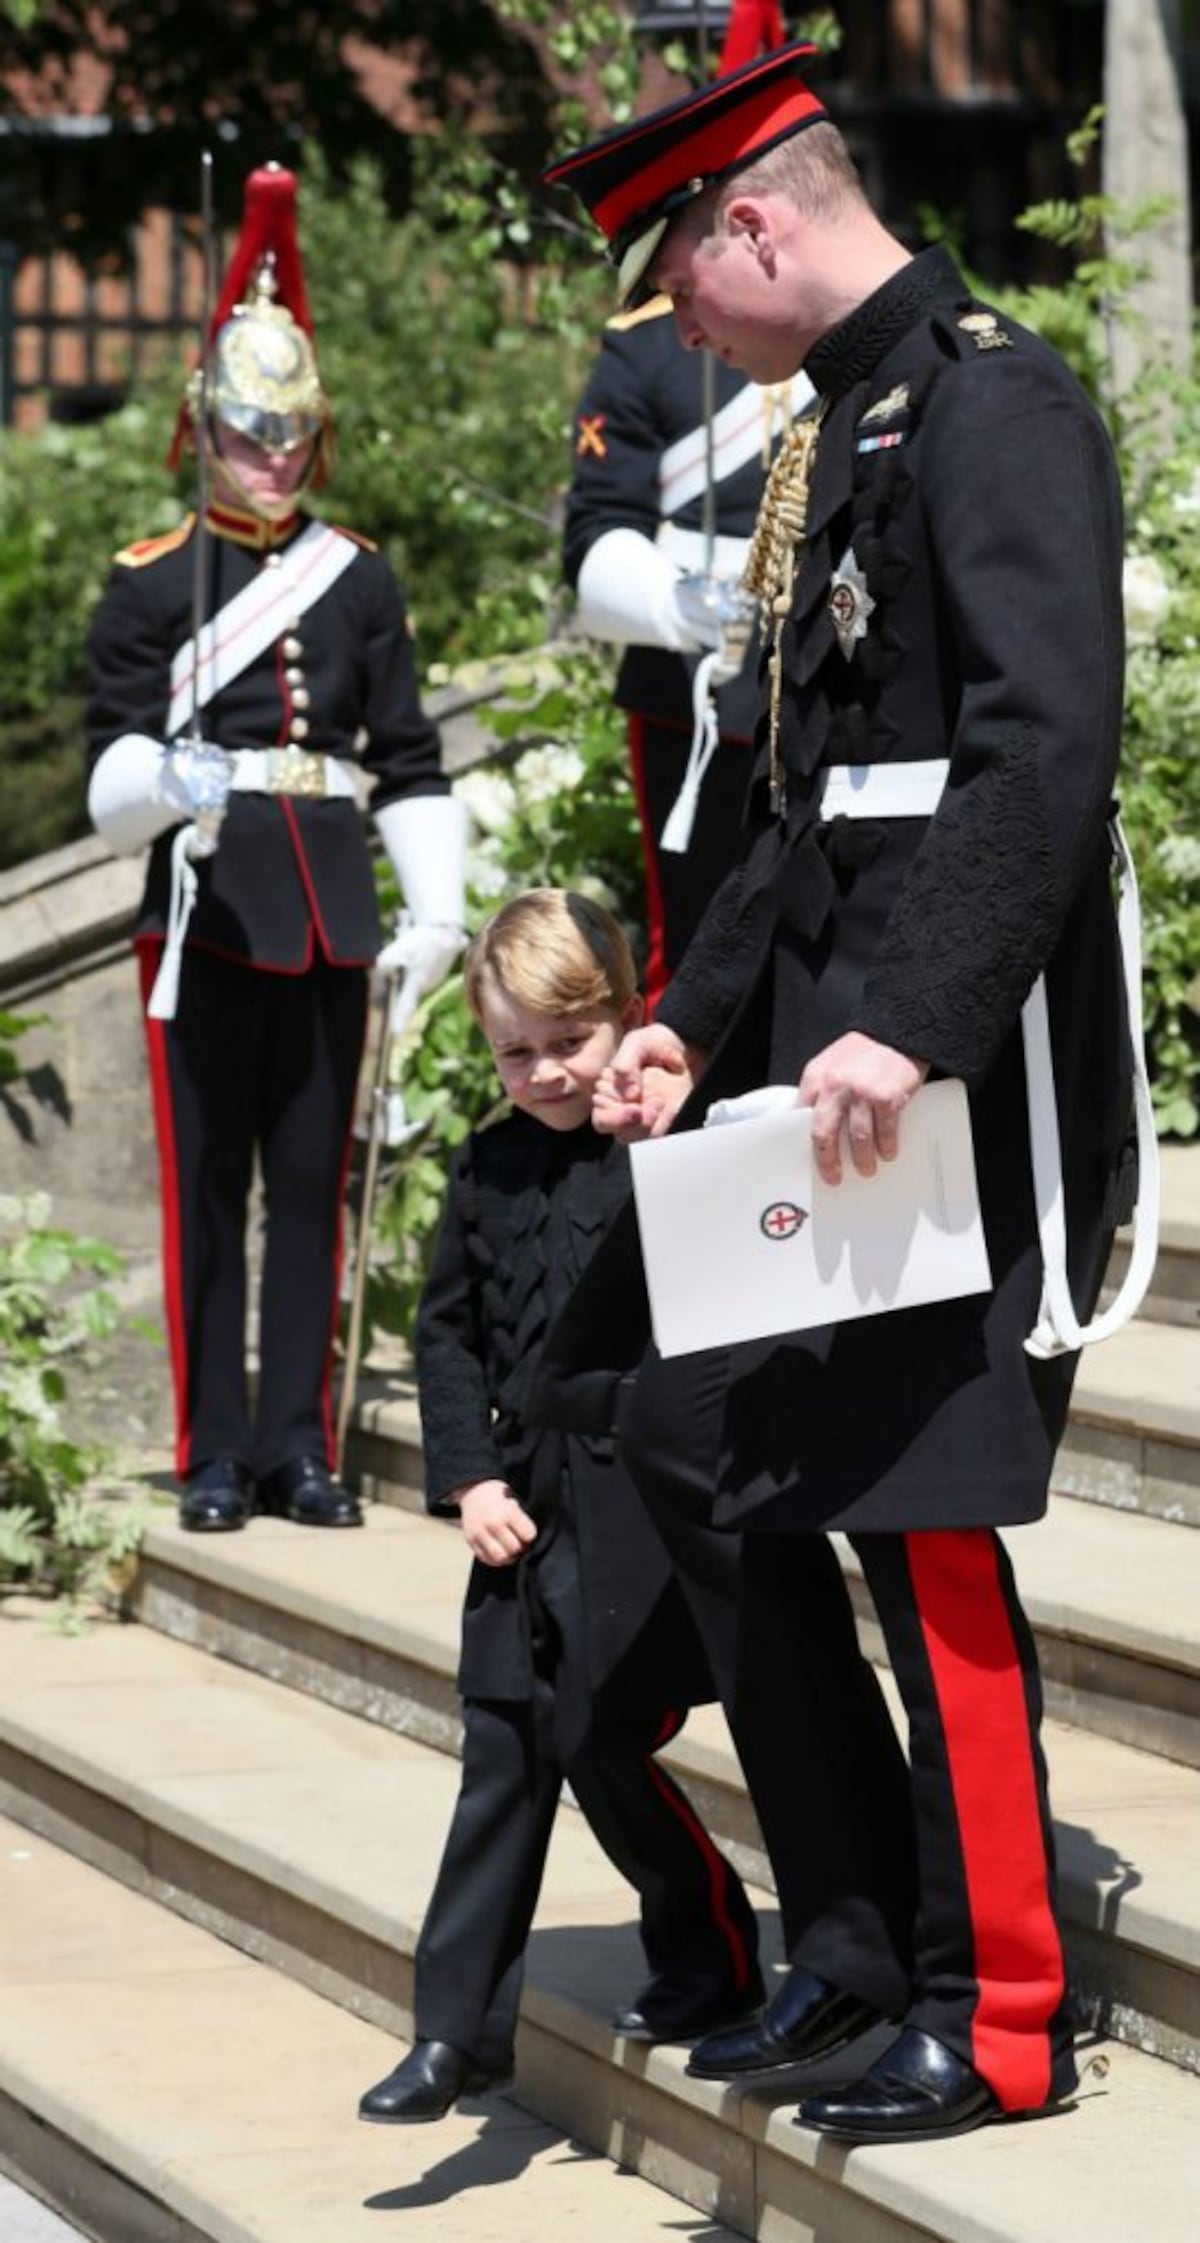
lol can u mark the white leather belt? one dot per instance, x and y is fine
(884, 790)
(289, 771)
(913, 790)
(687, 549)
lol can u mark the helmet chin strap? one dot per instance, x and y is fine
(267, 509)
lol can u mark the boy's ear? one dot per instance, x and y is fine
(634, 1014)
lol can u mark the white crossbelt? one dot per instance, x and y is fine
(913, 790)
(254, 618)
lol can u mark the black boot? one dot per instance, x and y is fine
(678, 2008)
(805, 2019)
(217, 1497)
(425, 2086)
(305, 1490)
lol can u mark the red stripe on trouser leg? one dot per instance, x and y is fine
(980, 1687)
(149, 955)
(715, 1866)
(655, 978)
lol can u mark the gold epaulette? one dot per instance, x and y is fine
(145, 549)
(621, 322)
(355, 536)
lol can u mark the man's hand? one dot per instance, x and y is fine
(639, 1095)
(496, 1525)
(862, 1087)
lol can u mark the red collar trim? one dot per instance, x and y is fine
(244, 528)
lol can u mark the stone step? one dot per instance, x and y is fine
(1174, 1295)
(158, 2086)
(156, 2074)
(1114, 1598)
(368, 1623)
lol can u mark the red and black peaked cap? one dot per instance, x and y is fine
(635, 180)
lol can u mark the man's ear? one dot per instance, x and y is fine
(749, 219)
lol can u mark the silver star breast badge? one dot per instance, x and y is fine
(850, 603)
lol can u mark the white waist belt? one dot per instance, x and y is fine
(289, 771)
(295, 771)
(687, 549)
(884, 790)
(913, 790)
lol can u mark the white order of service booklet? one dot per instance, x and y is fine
(742, 1240)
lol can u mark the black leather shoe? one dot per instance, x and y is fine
(677, 2009)
(305, 1490)
(918, 2092)
(217, 1497)
(806, 2018)
(425, 2086)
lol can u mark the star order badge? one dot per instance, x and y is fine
(850, 603)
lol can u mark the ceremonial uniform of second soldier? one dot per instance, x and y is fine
(634, 528)
(255, 952)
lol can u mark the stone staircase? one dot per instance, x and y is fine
(223, 1825)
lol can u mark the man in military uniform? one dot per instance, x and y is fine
(634, 548)
(232, 749)
(926, 890)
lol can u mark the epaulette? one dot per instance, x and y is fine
(355, 536)
(621, 322)
(146, 549)
(973, 331)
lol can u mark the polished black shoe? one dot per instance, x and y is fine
(217, 1497)
(677, 2008)
(425, 2086)
(805, 2019)
(919, 2091)
(305, 1490)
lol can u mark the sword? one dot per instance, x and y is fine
(207, 763)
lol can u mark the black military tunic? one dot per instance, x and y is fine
(262, 1057)
(644, 397)
(580, 1658)
(962, 477)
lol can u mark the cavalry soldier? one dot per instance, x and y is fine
(245, 667)
(926, 889)
(635, 542)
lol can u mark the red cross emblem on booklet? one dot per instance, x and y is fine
(782, 1219)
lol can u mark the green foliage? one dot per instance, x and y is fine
(559, 811)
(55, 1534)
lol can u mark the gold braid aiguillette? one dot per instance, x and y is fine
(771, 567)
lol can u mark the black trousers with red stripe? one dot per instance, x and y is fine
(679, 887)
(255, 1066)
(696, 1922)
(924, 1885)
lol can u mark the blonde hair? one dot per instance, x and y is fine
(552, 950)
(813, 169)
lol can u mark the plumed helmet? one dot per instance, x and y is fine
(263, 378)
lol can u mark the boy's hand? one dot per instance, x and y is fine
(640, 1094)
(496, 1525)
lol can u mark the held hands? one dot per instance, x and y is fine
(862, 1087)
(496, 1525)
(640, 1094)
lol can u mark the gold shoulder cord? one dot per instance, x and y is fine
(771, 567)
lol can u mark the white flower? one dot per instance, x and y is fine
(486, 876)
(1147, 597)
(1187, 501)
(1179, 856)
(490, 798)
(545, 773)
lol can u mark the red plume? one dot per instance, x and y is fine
(268, 228)
(755, 27)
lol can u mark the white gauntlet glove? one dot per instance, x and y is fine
(425, 837)
(139, 787)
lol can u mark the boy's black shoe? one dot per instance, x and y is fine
(805, 2018)
(425, 2086)
(679, 2009)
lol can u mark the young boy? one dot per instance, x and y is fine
(577, 1653)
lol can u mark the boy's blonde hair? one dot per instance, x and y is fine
(552, 950)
